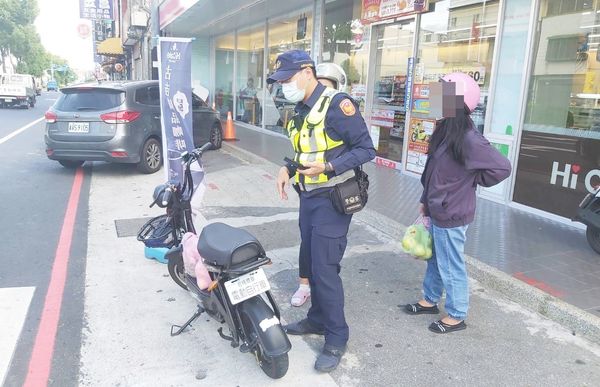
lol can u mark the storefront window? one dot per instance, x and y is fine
(250, 65)
(559, 159)
(388, 115)
(224, 52)
(457, 37)
(346, 42)
(292, 32)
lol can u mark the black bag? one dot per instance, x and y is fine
(351, 196)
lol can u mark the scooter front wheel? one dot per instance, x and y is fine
(593, 238)
(177, 270)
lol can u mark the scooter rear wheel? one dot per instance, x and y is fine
(274, 366)
(593, 238)
(177, 270)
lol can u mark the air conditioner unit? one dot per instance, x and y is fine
(139, 19)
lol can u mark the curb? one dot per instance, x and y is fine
(579, 322)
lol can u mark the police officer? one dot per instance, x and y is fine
(330, 139)
(331, 75)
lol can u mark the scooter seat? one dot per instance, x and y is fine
(223, 245)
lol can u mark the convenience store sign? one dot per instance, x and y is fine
(375, 10)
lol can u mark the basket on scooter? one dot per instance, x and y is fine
(157, 232)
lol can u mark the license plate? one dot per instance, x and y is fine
(247, 286)
(79, 127)
(8, 99)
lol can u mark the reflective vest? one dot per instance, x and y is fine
(311, 141)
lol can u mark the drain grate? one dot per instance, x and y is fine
(129, 227)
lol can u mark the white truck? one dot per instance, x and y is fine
(17, 90)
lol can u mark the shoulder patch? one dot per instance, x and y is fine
(347, 107)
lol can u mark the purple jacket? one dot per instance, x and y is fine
(449, 188)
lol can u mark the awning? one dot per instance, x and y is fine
(110, 47)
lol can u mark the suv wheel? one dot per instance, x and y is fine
(71, 164)
(216, 136)
(151, 157)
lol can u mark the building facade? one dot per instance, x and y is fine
(535, 60)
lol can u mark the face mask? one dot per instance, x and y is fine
(291, 91)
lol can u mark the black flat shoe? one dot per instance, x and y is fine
(303, 327)
(417, 308)
(329, 358)
(441, 327)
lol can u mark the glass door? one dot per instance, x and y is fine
(394, 46)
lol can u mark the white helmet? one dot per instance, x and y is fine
(334, 73)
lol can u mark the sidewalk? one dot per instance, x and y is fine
(551, 256)
(130, 302)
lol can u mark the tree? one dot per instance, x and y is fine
(19, 38)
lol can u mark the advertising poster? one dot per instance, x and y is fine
(175, 82)
(382, 117)
(419, 132)
(421, 106)
(556, 171)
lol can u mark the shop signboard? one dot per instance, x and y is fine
(96, 9)
(175, 62)
(375, 10)
(557, 169)
(419, 132)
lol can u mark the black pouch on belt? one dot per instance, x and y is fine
(351, 196)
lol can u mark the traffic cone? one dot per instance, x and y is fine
(229, 133)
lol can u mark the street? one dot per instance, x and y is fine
(35, 193)
(117, 308)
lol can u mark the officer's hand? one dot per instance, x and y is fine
(283, 179)
(313, 168)
(422, 211)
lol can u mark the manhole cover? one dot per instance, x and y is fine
(129, 227)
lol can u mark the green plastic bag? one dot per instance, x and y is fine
(417, 240)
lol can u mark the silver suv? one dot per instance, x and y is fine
(117, 122)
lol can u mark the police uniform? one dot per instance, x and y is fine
(328, 128)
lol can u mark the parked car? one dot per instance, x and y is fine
(52, 85)
(118, 122)
(17, 90)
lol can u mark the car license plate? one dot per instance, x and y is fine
(79, 127)
(8, 99)
(247, 286)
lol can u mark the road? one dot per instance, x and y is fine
(35, 193)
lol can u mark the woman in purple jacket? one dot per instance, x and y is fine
(459, 159)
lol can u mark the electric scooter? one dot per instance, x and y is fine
(239, 293)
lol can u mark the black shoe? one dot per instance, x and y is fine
(417, 308)
(329, 358)
(303, 327)
(441, 327)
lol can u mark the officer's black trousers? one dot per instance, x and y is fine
(323, 231)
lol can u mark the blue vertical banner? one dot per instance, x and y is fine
(175, 79)
(409, 85)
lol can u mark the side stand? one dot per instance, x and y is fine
(176, 329)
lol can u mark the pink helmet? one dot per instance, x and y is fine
(465, 86)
